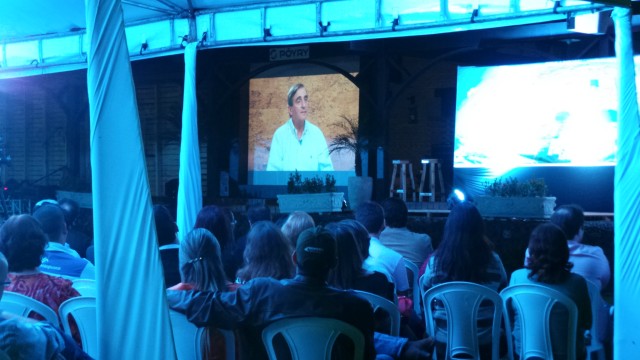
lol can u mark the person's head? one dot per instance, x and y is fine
(297, 99)
(371, 215)
(296, 222)
(200, 261)
(267, 254)
(464, 253)
(257, 213)
(570, 218)
(360, 235)
(71, 210)
(548, 259)
(349, 264)
(316, 253)
(22, 241)
(217, 221)
(166, 227)
(51, 218)
(4, 269)
(396, 213)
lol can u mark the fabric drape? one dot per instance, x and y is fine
(190, 180)
(132, 311)
(626, 339)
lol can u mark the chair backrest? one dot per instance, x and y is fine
(23, 305)
(312, 338)
(462, 301)
(378, 302)
(86, 287)
(596, 344)
(533, 303)
(190, 340)
(412, 273)
(83, 311)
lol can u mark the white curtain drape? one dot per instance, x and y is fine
(190, 180)
(626, 338)
(132, 312)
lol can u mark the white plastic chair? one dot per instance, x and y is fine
(83, 310)
(413, 271)
(189, 339)
(23, 305)
(596, 346)
(461, 301)
(312, 338)
(378, 302)
(533, 303)
(86, 287)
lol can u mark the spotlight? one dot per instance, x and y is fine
(456, 197)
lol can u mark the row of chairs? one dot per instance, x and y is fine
(462, 300)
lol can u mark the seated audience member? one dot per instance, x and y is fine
(548, 265)
(218, 221)
(22, 338)
(349, 273)
(381, 258)
(262, 301)
(201, 269)
(295, 224)
(166, 230)
(268, 254)
(412, 246)
(59, 259)
(588, 261)
(23, 242)
(77, 240)
(464, 254)
(234, 256)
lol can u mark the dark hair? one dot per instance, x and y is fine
(464, 253)
(371, 215)
(51, 219)
(360, 235)
(349, 265)
(297, 222)
(257, 213)
(396, 213)
(200, 261)
(268, 253)
(548, 259)
(70, 208)
(216, 220)
(166, 227)
(570, 218)
(22, 241)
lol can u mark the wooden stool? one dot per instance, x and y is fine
(432, 164)
(403, 179)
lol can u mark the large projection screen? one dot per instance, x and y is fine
(553, 120)
(332, 96)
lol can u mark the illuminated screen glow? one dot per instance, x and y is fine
(331, 97)
(547, 114)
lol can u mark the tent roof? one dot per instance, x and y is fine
(42, 36)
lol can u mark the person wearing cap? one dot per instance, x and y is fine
(262, 301)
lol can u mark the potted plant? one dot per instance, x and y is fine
(349, 139)
(311, 194)
(512, 198)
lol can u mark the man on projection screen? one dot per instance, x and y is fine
(298, 144)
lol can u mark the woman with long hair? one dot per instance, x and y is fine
(268, 254)
(201, 269)
(548, 265)
(464, 254)
(349, 273)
